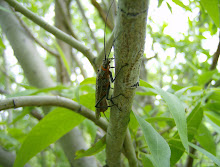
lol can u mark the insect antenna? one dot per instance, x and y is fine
(105, 28)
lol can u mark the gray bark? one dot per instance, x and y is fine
(36, 72)
(130, 30)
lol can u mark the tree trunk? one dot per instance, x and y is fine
(129, 46)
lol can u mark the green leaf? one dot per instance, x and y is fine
(170, 8)
(213, 106)
(63, 57)
(177, 110)
(212, 7)
(158, 146)
(159, 3)
(215, 95)
(193, 121)
(216, 127)
(159, 119)
(99, 146)
(206, 153)
(147, 160)
(181, 91)
(53, 126)
(91, 80)
(179, 3)
(203, 135)
(206, 76)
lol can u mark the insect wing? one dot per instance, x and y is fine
(102, 87)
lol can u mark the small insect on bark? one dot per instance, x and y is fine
(104, 76)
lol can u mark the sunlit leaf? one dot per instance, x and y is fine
(170, 8)
(158, 146)
(206, 76)
(177, 110)
(212, 7)
(180, 3)
(193, 121)
(62, 55)
(91, 80)
(53, 126)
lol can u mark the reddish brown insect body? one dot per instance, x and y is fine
(103, 87)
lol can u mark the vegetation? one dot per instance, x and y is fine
(167, 106)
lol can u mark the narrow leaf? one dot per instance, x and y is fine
(53, 126)
(62, 55)
(216, 127)
(158, 146)
(178, 112)
(203, 135)
(206, 153)
(99, 146)
(193, 121)
(212, 7)
(180, 3)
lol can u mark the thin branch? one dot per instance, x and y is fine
(215, 56)
(52, 52)
(55, 31)
(87, 23)
(102, 13)
(214, 61)
(36, 114)
(67, 22)
(25, 101)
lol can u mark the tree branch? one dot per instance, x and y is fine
(102, 13)
(67, 22)
(55, 31)
(214, 61)
(87, 23)
(129, 46)
(25, 101)
(52, 52)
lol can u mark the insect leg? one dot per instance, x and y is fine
(112, 80)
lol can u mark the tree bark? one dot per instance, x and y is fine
(129, 46)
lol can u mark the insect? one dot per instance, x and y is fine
(104, 76)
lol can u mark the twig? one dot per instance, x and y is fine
(214, 61)
(52, 52)
(102, 13)
(36, 114)
(55, 31)
(87, 23)
(25, 101)
(67, 22)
